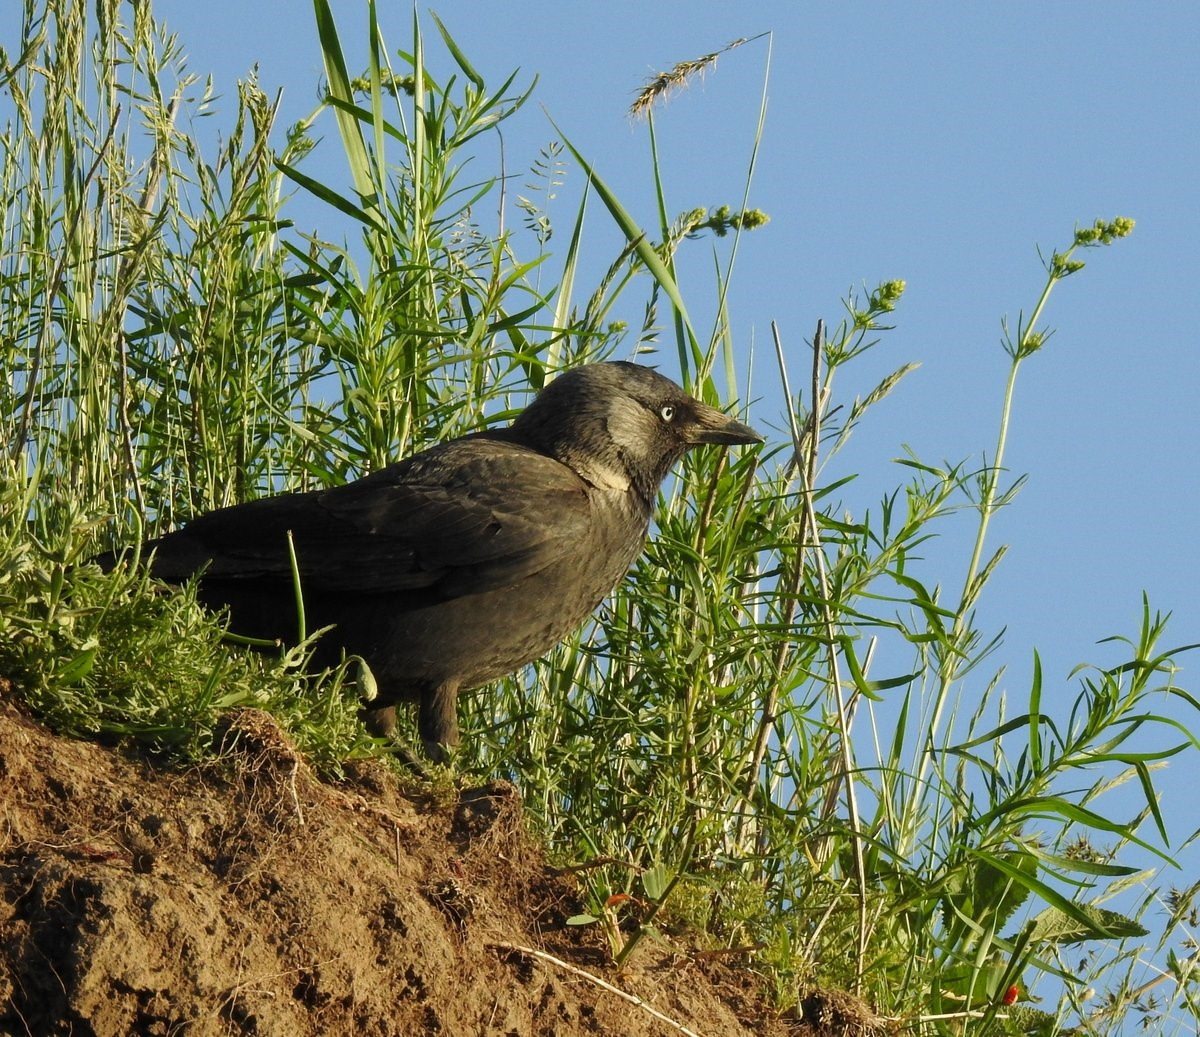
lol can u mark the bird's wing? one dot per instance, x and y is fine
(464, 517)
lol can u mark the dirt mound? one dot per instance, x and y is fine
(249, 897)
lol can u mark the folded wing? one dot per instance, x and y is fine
(465, 517)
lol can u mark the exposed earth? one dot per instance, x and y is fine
(247, 896)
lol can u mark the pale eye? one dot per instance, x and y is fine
(668, 412)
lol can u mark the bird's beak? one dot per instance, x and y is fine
(711, 426)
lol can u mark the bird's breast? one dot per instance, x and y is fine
(481, 637)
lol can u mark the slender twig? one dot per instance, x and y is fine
(791, 588)
(591, 977)
(831, 641)
(833, 791)
(690, 762)
(949, 669)
(1143, 990)
(970, 1013)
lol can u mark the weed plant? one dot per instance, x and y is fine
(717, 747)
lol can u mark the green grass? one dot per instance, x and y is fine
(718, 742)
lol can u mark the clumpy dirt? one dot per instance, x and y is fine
(247, 896)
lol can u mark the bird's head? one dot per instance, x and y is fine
(621, 425)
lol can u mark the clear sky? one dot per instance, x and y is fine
(941, 143)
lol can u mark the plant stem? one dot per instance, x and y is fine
(1025, 346)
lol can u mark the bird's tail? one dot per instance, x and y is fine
(109, 560)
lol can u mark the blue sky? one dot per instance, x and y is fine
(941, 143)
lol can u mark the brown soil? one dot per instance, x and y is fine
(249, 897)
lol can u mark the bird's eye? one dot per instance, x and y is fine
(668, 412)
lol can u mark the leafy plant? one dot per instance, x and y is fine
(780, 730)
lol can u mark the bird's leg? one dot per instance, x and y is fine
(380, 722)
(437, 719)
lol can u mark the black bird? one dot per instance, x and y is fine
(468, 560)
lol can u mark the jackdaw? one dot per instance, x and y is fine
(466, 561)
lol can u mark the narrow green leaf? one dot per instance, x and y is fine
(655, 881)
(566, 286)
(459, 57)
(331, 197)
(339, 88)
(1035, 707)
(635, 236)
(79, 666)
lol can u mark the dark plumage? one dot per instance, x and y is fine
(468, 560)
